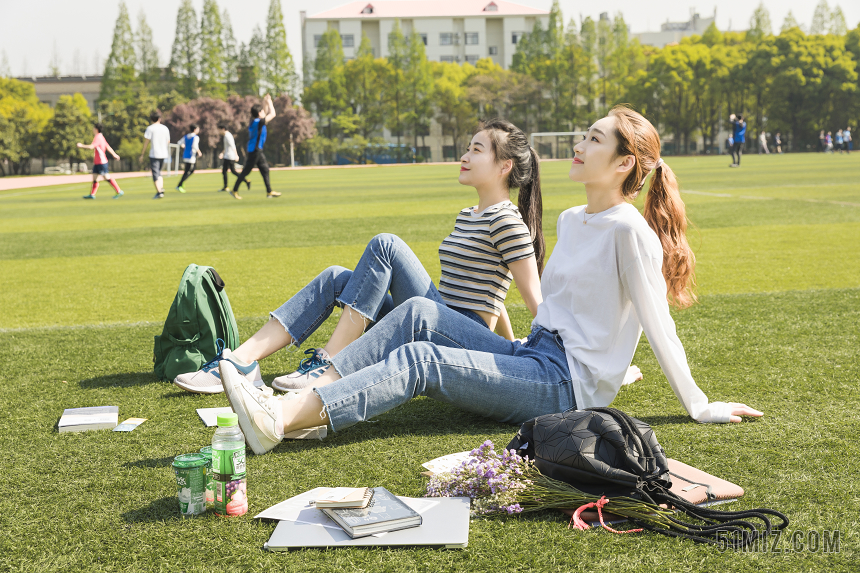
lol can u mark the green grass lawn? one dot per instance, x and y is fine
(86, 284)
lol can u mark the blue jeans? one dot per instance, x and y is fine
(387, 274)
(424, 348)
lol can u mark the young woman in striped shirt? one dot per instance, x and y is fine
(492, 244)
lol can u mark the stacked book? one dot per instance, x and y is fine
(381, 512)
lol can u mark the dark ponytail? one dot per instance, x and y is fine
(509, 142)
(530, 204)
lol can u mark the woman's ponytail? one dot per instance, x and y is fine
(664, 209)
(510, 143)
(667, 216)
(530, 205)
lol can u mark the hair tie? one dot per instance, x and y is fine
(659, 163)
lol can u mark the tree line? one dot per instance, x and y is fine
(563, 77)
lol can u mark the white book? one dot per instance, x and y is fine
(94, 418)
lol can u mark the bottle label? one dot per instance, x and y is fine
(231, 492)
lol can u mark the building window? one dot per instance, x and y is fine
(472, 60)
(446, 39)
(471, 38)
(317, 40)
(494, 50)
(448, 152)
(491, 7)
(423, 38)
(348, 41)
(517, 36)
(368, 9)
(448, 59)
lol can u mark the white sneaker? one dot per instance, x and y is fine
(259, 412)
(207, 380)
(309, 370)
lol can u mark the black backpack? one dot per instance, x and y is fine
(605, 452)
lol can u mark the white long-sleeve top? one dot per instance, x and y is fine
(601, 287)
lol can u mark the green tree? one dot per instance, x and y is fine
(279, 71)
(211, 51)
(119, 73)
(455, 114)
(5, 70)
(838, 27)
(148, 66)
(789, 23)
(820, 19)
(185, 53)
(23, 119)
(418, 77)
(760, 25)
(231, 52)
(326, 95)
(72, 122)
(396, 85)
(364, 78)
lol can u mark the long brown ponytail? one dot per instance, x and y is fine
(664, 209)
(509, 142)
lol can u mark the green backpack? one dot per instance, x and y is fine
(198, 327)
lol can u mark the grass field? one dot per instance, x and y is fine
(86, 284)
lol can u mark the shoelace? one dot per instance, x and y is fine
(218, 357)
(312, 362)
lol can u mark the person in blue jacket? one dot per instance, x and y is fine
(191, 151)
(260, 116)
(739, 131)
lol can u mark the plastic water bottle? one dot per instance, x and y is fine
(228, 467)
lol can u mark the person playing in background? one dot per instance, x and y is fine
(777, 141)
(229, 156)
(260, 116)
(159, 136)
(762, 143)
(822, 141)
(839, 141)
(739, 131)
(828, 142)
(101, 148)
(191, 151)
(849, 143)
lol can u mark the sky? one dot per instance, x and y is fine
(80, 32)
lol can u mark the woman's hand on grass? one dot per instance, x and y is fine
(739, 410)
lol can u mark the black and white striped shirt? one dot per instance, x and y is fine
(476, 255)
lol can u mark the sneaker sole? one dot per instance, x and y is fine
(245, 422)
(210, 389)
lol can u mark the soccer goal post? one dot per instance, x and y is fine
(555, 144)
(173, 159)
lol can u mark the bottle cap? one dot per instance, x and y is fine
(228, 420)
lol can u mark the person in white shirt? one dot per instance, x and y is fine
(229, 156)
(159, 136)
(611, 275)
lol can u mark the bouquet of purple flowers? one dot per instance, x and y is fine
(508, 483)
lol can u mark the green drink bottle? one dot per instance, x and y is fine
(228, 467)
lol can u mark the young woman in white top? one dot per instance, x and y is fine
(610, 276)
(492, 243)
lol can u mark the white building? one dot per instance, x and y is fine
(452, 30)
(672, 32)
